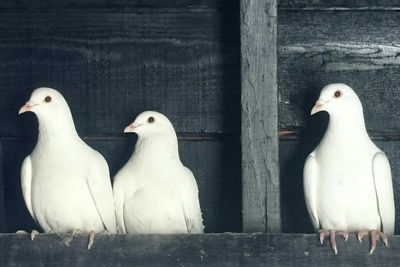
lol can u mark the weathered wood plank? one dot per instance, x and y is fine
(113, 64)
(339, 4)
(215, 164)
(317, 48)
(40, 4)
(260, 164)
(292, 156)
(194, 250)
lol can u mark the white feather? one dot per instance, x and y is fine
(310, 174)
(384, 191)
(26, 180)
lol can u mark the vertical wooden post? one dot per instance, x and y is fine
(260, 162)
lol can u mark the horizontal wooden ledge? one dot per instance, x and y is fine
(227, 249)
(295, 134)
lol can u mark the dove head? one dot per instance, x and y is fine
(45, 101)
(51, 109)
(339, 100)
(151, 123)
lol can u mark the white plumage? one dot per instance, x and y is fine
(154, 193)
(65, 183)
(347, 179)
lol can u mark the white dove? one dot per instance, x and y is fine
(347, 179)
(153, 192)
(65, 183)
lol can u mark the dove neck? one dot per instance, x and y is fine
(158, 149)
(348, 127)
(61, 128)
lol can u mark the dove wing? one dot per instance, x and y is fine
(118, 190)
(310, 176)
(384, 191)
(190, 205)
(26, 180)
(99, 184)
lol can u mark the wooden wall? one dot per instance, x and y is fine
(114, 59)
(320, 42)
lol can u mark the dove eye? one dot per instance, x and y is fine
(47, 99)
(150, 120)
(338, 94)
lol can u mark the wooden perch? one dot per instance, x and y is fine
(227, 249)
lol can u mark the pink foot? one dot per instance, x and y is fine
(332, 237)
(375, 235)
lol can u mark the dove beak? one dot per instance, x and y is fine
(131, 128)
(319, 105)
(27, 107)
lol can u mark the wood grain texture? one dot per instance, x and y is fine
(214, 250)
(49, 4)
(293, 153)
(214, 163)
(112, 64)
(339, 5)
(357, 48)
(260, 165)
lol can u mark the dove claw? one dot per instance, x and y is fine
(361, 234)
(384, 238)
(91, 239)
(346, 236)
(33, 234)
(332, 237)
(322, 234)
(76, 232)
(22, 232)
(374, 235)
(67, 239)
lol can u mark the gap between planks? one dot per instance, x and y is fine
(295, 9)
(290, 134)
(181, 137)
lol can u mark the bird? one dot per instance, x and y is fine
(347, 178)
(154, 192)
(65, 183)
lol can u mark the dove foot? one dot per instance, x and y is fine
(67, 238)
(22, 232)
(332, 237)
(375, 235)
(32, 234)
